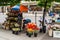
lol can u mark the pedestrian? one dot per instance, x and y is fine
(53, 20)
(20, 19)
(40, 25)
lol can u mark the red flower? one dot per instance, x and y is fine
(32, 26)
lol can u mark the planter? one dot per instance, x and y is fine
(13, 32)
(16, 32)
(44, 29)
(26, 33)
(29, 34)
(35, 34)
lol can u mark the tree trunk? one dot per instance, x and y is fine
(44, 13)
(35, 18)
(2, 9)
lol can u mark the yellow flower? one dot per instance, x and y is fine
(30, 30)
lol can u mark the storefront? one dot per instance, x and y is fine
(56, 7)
(32, 6)
(54, 30)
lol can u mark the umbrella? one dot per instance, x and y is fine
(23, 8)
(27, 21)
(16, 7)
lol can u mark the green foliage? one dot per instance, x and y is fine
(9, 2)
(31, 0)
(34, 0)
(4, 2)
(14, 2)
(42, 2)
(57, 0)
(45, 4)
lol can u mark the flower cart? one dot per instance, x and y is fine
(12, 22)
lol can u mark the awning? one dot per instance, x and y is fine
(56, 8)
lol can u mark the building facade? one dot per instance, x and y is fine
(32, 6)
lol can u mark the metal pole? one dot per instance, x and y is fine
(35, 18)
(22, 22)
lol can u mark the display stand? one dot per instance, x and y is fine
(54, 31)
(13, 22)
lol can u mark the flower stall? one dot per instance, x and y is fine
(54, 31)
(31, 29)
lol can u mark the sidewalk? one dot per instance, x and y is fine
(46, 37)
(7, 35)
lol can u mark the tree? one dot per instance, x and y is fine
(31, 0)
(45, 4)
(8, 2)
(4, 2)
(14, 2)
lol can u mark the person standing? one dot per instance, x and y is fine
(40, 21)
(20, 19)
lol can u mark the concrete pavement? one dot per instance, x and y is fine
(46, 37)
(7, 35)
